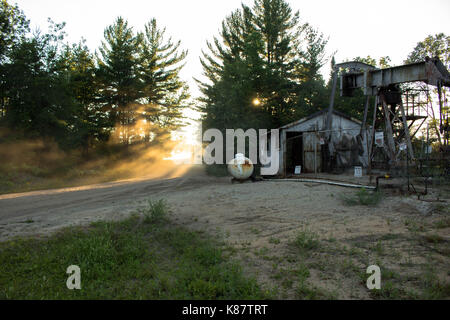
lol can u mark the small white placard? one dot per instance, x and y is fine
(379, 138)
(358, 172)
(298, 169)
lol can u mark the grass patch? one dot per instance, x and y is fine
(155, 212)
(306, 240)
(442, 224)
(379, 249)
(433, 287)
(362, 197)
(128, 259)
(305, 291)
(414, 227)
(388, 291)
(433, 238)
(273, 240)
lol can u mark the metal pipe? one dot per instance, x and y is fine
(381, 177)
(315, 154)
(341, 184)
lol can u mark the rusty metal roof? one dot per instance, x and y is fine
(316, 114)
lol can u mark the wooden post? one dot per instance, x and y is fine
(372, 136)
(389, 132)
(408, 138)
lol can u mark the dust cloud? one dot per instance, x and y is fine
(31, 164)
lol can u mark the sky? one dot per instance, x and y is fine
(354, 28)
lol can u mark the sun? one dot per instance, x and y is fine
(256, 102)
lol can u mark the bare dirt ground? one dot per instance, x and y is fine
(408, 238)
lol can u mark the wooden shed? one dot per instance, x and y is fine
(302, 143)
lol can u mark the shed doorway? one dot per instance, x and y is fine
(294, 151)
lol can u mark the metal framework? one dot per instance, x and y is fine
(384, 84)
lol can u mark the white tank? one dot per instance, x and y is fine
(241, 168)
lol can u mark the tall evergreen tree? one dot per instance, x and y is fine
(282, 35)
(89, 119)
(311, 93)
(118, 71)
(13, 28)
(258, 57)
(164, 94)
(236, 71)
(141, 87)
(38, 97)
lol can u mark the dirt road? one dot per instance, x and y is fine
(260, 220)
(41, 212)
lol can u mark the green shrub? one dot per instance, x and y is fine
(306, 240)
(156, 211)
(362, 197)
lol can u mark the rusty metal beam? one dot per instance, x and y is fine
(431, 71)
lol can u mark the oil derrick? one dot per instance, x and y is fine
(392, 120)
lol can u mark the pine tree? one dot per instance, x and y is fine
(281, 33)
(311, 93)
(38, 97)
(141, 87)
(118, 72)
(259, 56)
(164, 94)
(236, 72)
(13, 27)
(89, 119)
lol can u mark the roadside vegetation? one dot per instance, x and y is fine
(142, 257)
(362, 197)
(24, 176)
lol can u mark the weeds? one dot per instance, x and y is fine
(414, 226)
(433, 288)
(156, 211)
(387, 291)
(433, 238)
(379, 249)
(273, 240)
(362, 197)
(306, 240)
(442, 224)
